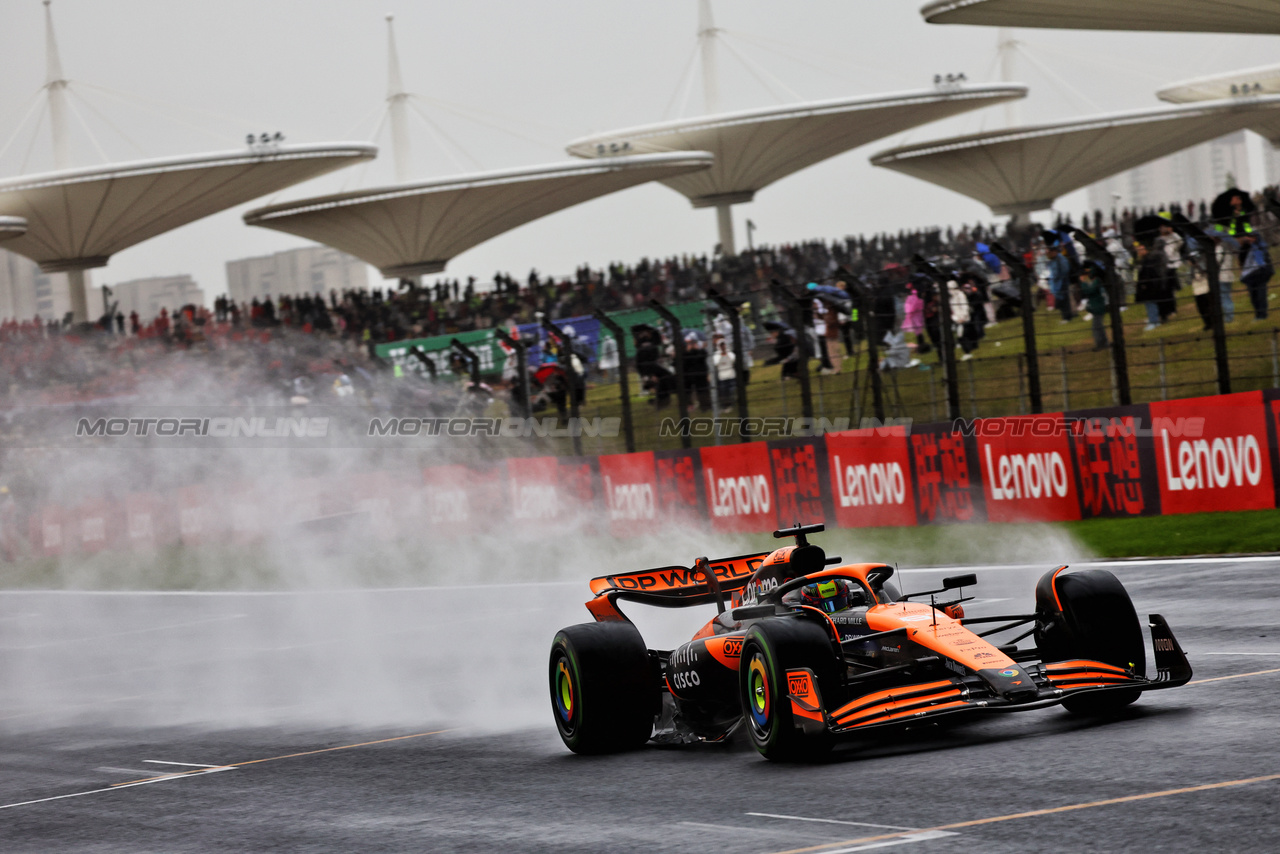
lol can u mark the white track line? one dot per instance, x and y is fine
(118, 788)
(905, 839)
(183, 764)
(829, 821)
(1237, 653)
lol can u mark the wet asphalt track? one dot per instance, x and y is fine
(299, 785)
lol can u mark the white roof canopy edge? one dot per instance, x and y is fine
(160, 165)
(563, 169)
(578, 147)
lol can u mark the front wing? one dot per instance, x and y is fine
(1054, 682)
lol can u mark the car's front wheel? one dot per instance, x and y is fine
(1089, 615)
(769, 650)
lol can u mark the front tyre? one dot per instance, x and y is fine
(604, 691)
(769, 649)
(1089, 615)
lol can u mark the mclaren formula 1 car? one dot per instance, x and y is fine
(805, 649)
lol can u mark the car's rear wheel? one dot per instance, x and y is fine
(604, 691)
(770, 649)
(1090, 617)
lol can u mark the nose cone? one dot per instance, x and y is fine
(1012, 682)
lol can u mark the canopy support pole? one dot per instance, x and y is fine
(724, 218)
(78, 289)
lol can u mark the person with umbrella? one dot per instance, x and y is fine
(1232, 210)
(785, 352)
(1152, 286)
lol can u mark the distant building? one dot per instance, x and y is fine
(310, 270)
(25, 292)
(1200, 172)
(148, 296)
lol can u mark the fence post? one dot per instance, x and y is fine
(624, 385)
(677, 341)
(1164, 388)
(1066, 390)
(1275, 359)
(871, 329)
(1209, 252)
(948, 339)
(797, 312)
(1115, 389)
(1028, 324)
(1022, 401)
(522, 367)
(973, 392)
(933, 399)
(1115, 299)
(739, 360)
(566, 361)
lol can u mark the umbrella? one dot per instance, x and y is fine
(1223, 211)
(776, 326)
(547, 371)
(988, 257)
(1147, 228)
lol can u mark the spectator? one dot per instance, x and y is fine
(1093, 288)
(1059, 271)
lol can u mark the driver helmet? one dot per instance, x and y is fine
(830, 595)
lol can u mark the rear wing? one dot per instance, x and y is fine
(672, 586)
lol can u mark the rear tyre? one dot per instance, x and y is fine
(770, 649)
(604, 690)
(1096, 621)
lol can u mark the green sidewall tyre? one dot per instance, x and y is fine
(604, 691)
(770, 648)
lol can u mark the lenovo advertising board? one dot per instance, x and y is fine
(630, 486)
(1026, 469)
(533, 490)
(739, 488)
(870, 478)
(1212, 453)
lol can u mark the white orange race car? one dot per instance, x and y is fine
(805, 649)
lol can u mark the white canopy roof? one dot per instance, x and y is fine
(79, 218)
(1244, 84)
(411, 229)
(1024, 169)
(754, 148)
(11, 227)
(1196, 16)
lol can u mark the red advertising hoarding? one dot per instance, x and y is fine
(677, 475)
(947, 483)
(1026, 468)
(533, 490)
(630, 486)
(1211, 453)
(799, 469)
(1114, 461)
(739, 487)
(870, 476)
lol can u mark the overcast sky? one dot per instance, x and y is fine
(162, 77)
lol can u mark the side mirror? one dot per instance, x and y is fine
(959, 581)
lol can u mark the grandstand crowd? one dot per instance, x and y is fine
(46, 361)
